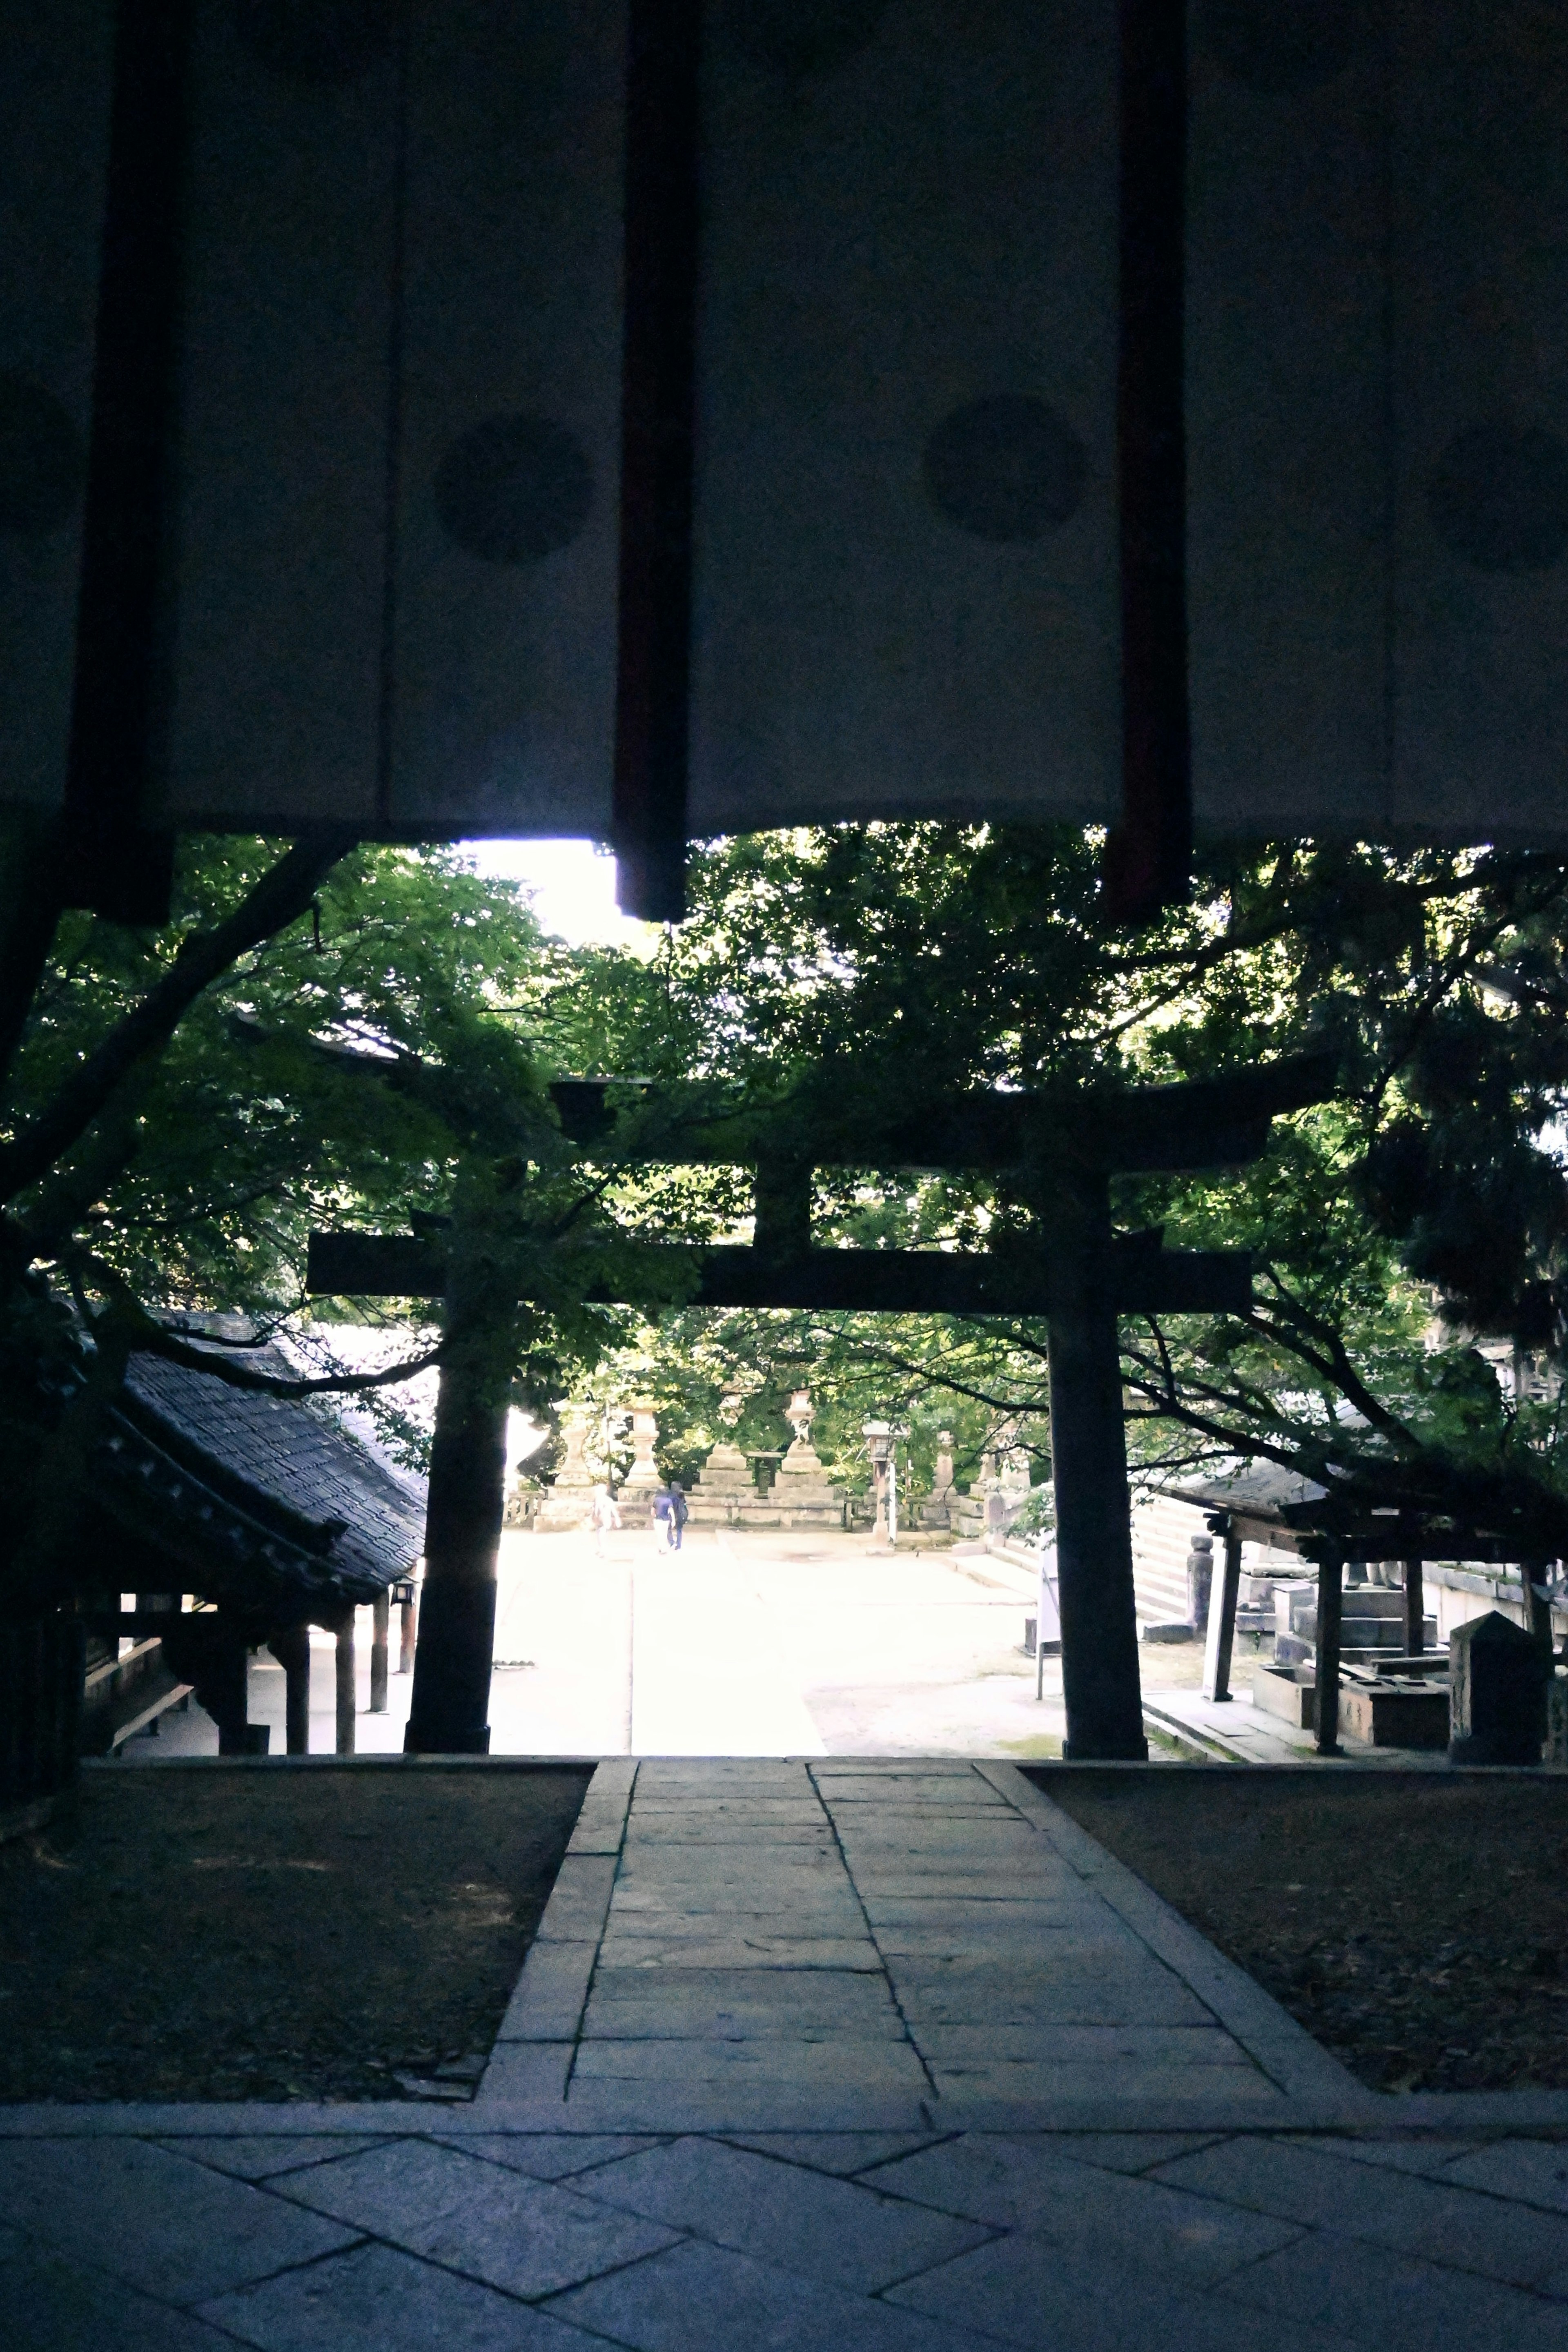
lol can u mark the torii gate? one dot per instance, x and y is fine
(1080, 1276)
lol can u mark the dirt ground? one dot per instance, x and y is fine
(324, 1934)
(1416, 1924)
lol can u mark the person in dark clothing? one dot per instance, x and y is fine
(670, 1515)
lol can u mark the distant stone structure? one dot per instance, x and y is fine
(937, 1510)
(801, 1494)
(1499, 1677)
(568, 1499)
(521, 1506)
(642, 1481)
(724, 1484)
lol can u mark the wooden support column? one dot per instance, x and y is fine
(1089, 1463)
(462, 1538)
(293, 1652)
(381, 1620)
(1221, 1639)
(410, 1610)
(346, 1691)
(1330, 1597)
(212, 1654)
(781, 1197)
(1414, 1610)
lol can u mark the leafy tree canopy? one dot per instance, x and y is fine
(377, 1056)
(1416, 1214)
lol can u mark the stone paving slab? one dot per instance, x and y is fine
(553, 2156)
(260, 2157)
(1033, 2294)
(486, 2221)
(378, 2300)
(1024, 2184)
(172, 2228)
(1346, 2292)
(784, 2214)
(1462, 2227)
(54, 2301)
(726, 1942)
(738, 2002)
(871, 2063)
(704, 2298)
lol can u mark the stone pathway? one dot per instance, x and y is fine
(819, 2056)
(761, 1943)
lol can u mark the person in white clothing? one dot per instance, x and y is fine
(603, 1517)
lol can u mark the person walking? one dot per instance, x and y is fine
(677, 1515)
(603, 1517)
(663, 1528)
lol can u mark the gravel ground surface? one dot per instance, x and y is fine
(201, 1934)
(1416, 1925)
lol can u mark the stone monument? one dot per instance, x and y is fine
(800, 1495)
(937, 1510)
(568, 1499)
(724, 1484)
(1498, 1681)
(642, 1481)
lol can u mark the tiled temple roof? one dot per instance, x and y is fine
(261, 1501)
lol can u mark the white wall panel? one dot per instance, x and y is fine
(907, 601)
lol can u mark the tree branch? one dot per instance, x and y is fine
(138, 1040)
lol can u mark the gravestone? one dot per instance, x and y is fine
(1497, 1692)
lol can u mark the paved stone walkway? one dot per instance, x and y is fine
(825, 2057)
(762, 1943)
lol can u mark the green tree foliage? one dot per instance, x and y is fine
(315, 1039)
(1416, 1214)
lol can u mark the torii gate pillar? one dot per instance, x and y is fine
(1089, 1463)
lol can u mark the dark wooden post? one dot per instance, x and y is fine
(1089, 1465)
(462, 1538)
(226, 1693)
(347, 1695)
(1223, 1599)
(405, 1632)
(292, 1651)
(781, 1196)
(1330, 1595)
(381, 1619)
(1414, 1610)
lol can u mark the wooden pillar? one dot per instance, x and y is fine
(1330, 1597)
(381, 1619)
(1088, 1467)
(781, 1199)
(405, 1632)
(209, 1652)
(293, 1652)
(462, 1538)
(1223, 1594)
(1414, 1610)
(346, 1691)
